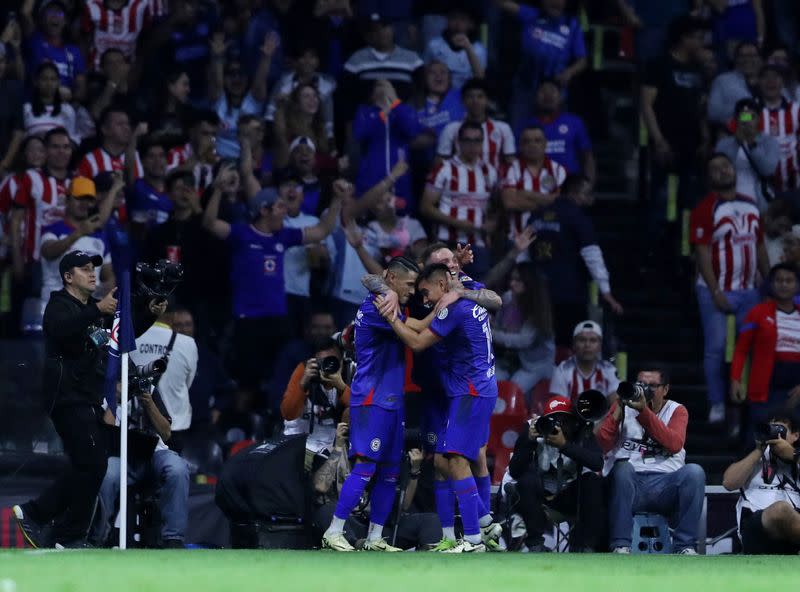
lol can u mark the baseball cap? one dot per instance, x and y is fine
(264, 198)
(75, 259)
(57, 4)
(302, 141)
(374, 18)
(82, 187)
(557, 405)
(587, 326)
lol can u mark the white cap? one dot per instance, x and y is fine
(302, 141)
(587, 326)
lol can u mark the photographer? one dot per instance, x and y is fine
(161, 340)
(150, 459)
(642, 438)
(417, 527)
(315, 396)
(557, 468)
(766, 513)
(74, 371)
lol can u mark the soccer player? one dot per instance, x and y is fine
(470, 385)
(376, 414)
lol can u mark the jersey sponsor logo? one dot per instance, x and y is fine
(375, 445)
(270, 264)
(256, 246)
(478, 312)
(442, 314)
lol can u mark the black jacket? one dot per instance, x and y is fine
(584, 452)
(74, 368)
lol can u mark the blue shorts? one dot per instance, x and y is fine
(434, 420)
(467, 428)
(376, 433)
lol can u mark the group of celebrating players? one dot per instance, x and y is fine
(448, 325)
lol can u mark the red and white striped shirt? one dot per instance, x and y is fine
(569, 381)
(787, 348)
(732, 230)
(117, 29)
(465, 194)
(497, 140)
(783, 124)
(44, 198)
(203, 172)
(8, 188)
(99, 161)
(549, 179)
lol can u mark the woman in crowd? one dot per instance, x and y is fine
(300, 114)
(46, 110)
(523, 331)
(770, 336)
(169, 114)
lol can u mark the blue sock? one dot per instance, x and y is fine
(445, 502)
(468, 503)
(484, 485)
(352, 488)
(383, 493)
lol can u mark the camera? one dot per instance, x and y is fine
(547, 425)
(329, 365)
(141, 378)
(159, 280)
(769, 431)
(634, 391)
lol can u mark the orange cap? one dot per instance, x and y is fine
(82, 187)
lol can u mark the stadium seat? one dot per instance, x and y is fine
(541, 392)
(510, 400)
(503, 432)
(562, 353)
(239, 446)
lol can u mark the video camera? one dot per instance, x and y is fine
(159, 280)
(764, 432)
(634, 391)
(590, 406)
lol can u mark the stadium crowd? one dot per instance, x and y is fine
(311, 163)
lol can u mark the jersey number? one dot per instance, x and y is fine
(487, 330)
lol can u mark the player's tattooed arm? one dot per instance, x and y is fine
(375, 284)
(484, 297)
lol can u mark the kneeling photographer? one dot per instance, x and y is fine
(642, 438)
(555, 463)
(149, 460)
(767, 510)
(315, 397)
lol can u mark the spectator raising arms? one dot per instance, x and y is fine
(230, 93)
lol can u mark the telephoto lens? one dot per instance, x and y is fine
(546, 425)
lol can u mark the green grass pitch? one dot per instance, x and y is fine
(315, 571)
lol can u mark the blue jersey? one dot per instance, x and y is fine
(566, 137)
(467, 338)
(257, 270)
(147, 205)
(549, 45)
(380, 375)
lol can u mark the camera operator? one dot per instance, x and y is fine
(149, 460)
(73, 376)
(767, 511)
(315, 396)
(159, 341)
(557, 468)
(642, 438)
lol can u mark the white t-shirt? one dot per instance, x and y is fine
(406, 232)
(788, 332)
(227, 144)
(456, 61)
(759, 494)
(94, 244)
(296, 273)
(181, 369)
(324, 432)
(39, 125)
(347, 269)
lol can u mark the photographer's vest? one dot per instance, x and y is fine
(323, 431)
(770, 483)
(640, 449)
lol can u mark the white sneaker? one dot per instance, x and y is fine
(464, 546)
(380, 545)
(336, 542)
(490, 535)
(622, 550)
(717, 413)
(687, 551)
